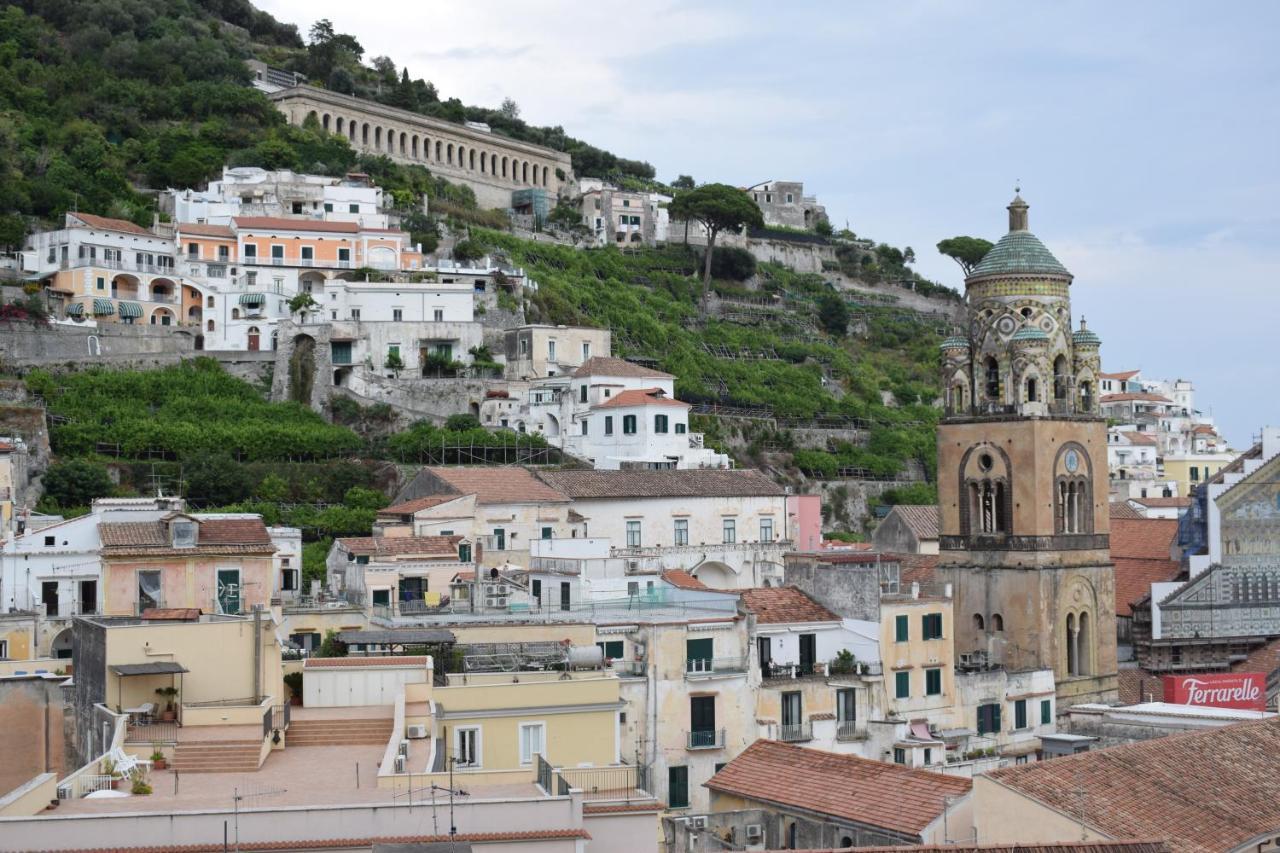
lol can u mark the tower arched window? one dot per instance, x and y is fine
(997, 622)
(1084, 645)
(1072, 490)
(978, 624)
(1060, 378)
(991, 369)
(1072, 649)
(985, 479)
(1033, 393)
(1086, 396)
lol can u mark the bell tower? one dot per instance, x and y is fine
(1022, 474)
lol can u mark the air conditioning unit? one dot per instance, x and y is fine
(755, 831)
(335, 605)
(495, 602)
(501, 589)
(400, 763)
(416, 732)
(64, 792)
(403, 748)
(698, 822)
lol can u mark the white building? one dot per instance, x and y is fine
(251, 191)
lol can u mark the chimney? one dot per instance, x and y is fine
(1018, 214)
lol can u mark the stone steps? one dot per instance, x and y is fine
(339, 732)
(231, 756)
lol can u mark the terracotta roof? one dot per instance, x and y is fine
(1163, 502)
(1137, 685)
(1123, 509)
(403, 546)
(601, 365)
(1141, 550)
(172, 614)
(916, 568)
(499, 485)
(106, 223)
(642, 397)
(1203, 791)
(280, 223)
(381, 660)
(1236, 466)
(352, 843)
(1139, 438)
(776, 604)
(1025, 847)
(202, 229)
(682, 579)
(872, 793)
(1141, 397)
(691, 483)
(1123, 376)
(920, 520)
(216, 535)
(1204, 429)
(1265, 659)
(413, 506)
(620, 808)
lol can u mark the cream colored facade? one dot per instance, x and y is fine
(1001, 814)
(537, 351)
(1191, 469)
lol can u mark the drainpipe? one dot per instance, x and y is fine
(257, 653)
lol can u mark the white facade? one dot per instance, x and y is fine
(374, 302)
(251, 191)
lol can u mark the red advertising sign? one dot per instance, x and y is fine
(1244, 690)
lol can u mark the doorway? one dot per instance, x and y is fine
(764, 645)
(564, 596)
(49, 597)
(88, 597)
(808, 653)
(229, 591)
(702, 721)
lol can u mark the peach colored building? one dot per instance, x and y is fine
(214, 564)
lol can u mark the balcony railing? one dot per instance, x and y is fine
(781, 545)
(311, 263)
(848, 731)
(794, 670)
(695, 667)
(796, 733)
(705, 739)
(622, 783)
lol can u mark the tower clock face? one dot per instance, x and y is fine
(1072, 461)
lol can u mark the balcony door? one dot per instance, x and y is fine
(49, 597)
(765, 647)
(808, 653)
(791, 709)
(702, 720)
(88, 596)
(228, 591)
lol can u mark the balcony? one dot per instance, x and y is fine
(704, 739)
(712, 667)
(796, 733)
(847, 732)
(782, 671)
(309, 263)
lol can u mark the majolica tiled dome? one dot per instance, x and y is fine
(1019, 252)
(955, 342)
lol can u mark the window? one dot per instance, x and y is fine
(353, 208)
(766, 530)
(464, 552)
(308, 253)
(546, 533)
(678, 787)
(585, 421)
(899, 755)
(466, 746)
(1046, 712)
(729, 527)
(628, 424)
(102, 283)
(901, 629)
(551, 350)
(633, 534)
(902, 685)
(698, 654)
(250, 251)
(533, 741)
(148, 590)
(611, 649)
(660, 423)
(344, 256)
(681, 429)
(846, 706)
(277, 254)
(792, 709)
(50, 541)
(289, 579)
(928, 756)
(586, 350)
(682, 531)
(437, 315)
(1195, 473)
(633, 588)
(997, 622)
(608, 424)
(184, 534)
(397, 314)
(1020, 714)
(933, 682)
(328, 207)
(988, 719)
(4, 649)
(582, 393)
(931, 625)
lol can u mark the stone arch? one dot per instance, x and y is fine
(1072, 489)
(986, 493)
(524, 172)
(95, 347)
(484, 162)
(471, 159)
(62, 645)
(125, 286)
(312, 115)
(997, 623)
(324, 122)
(957, 400)
(255, 338)
(474, 409)
(553, 425)
(462, 157)
(504, 167)
(716, 575)
(546, 176)
(991, 378)
(415, 146)
(337, 125)
(404, 143)
(1061, 379)
(162, 317)
(979, 624)
(449, 154)
(351, 129)
(1085, 391)
(377, 138)
(364, 134)
(439, 146)
(391, 140)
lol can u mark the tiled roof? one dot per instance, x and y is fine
(201, 229)
(1122, 509)
(1123, 376)
(1203, 791)
(1156, 503)
(1140, 438)
(280, 223)
(642, 397)
(382, 660)
(106, 223)
(353, 843)
(682, 579)
(1019, 847)
(216, 535)
(601, 365)
(1265, 658)
(1019, 252)
(1141, 549)
(776, 604)
(417, 504)
(1141, 397)
(916, 568)
(403, 546)
(1204, 429)
(171, 614)
(500, 485)
(920, 520)
(1137, 685)
(873, 793)
(691, 483)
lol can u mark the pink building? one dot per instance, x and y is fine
(805, 513)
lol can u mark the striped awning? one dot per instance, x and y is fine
(75, 309)
(130, 309)
(103, 307)
(252, 298)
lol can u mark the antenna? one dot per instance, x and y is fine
(236, 797)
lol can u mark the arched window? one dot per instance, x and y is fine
(545, 173)
(210, 302)
(235, 313)
(449, 153)
(978, 623)
(462, 157)
(484, 161)
(1084, 645)
(364, 134)
(1071, 644)
(1086, 396)
(985, 477)
(471, 159)
(351, 130)
(438, 147)
(1073, 490)
(504, 167)
(524, 173)
(403, 138)
(337, 125)
(210, 326)
(325, 122)
(1032, 392)
(992, 370)
(377, 137)
(997, 622)
(1060, 378)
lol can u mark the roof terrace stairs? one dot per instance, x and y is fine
(217, 756)
(348, 732)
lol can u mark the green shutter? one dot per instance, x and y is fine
(677, 787)
(1020, 714)
(902, 685)
(933, 682)
(698, 654)
(1046, 712)
(902, 629)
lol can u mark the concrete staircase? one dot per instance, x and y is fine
(218, 756)
(350, 732)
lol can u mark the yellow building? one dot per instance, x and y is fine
(917, 647)
(1191, 469)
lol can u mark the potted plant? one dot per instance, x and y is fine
(293, 681)
(158, 761)
(109, 770)
(140, 787)
(166, 695)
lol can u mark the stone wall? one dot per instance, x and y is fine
(24, 344)
(33, 730)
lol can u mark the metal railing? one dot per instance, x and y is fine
(796, 732)
(714, 666)
(155, 731)
(794, 670)
(849, 730)
(268, 715)
(545, 774)
(705, 739)
(622, 782)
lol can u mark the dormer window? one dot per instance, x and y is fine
(184, 534)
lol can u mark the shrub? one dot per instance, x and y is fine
(76, 483)
(732, 263)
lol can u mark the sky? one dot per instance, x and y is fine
(1144, 135)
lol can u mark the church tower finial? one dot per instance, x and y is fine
(1018, 213)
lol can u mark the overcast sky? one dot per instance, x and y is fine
(1144, 136)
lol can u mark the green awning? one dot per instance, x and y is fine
(103, 307)
(75, 309)
(252, 298)
(130, 309)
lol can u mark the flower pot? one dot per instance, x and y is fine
(295, 699)
(160, 764)
(168, 716)
(115, 783)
